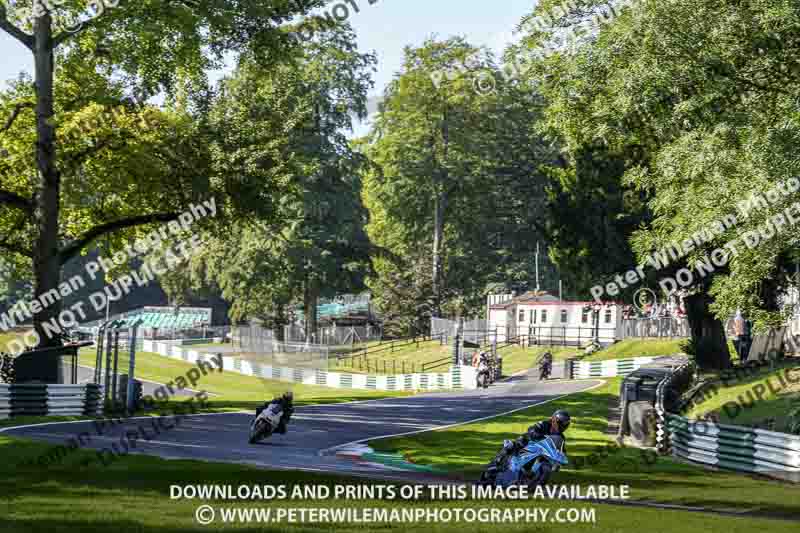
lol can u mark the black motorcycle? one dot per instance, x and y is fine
(545, 368)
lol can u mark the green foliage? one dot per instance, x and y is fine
(425, 155)
(699, 99)
(147, 48)
(282, 133)
(704, 352)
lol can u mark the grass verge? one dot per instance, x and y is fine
(465, 450)
(233, 391)
(765, 398)
(630, 348)
(132, 495)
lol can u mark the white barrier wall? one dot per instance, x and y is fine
(458, 377)
(608, 369)
(39, 399)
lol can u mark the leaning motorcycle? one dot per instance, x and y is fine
(532, 465)
(544, 371)
(266, 421)
(483, 374)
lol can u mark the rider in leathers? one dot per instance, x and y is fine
(285, 402)
(555, 425)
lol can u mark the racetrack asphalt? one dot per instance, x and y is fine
(315, 431)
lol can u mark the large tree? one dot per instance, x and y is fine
(297, 115)
(150, 46)
(699, 101)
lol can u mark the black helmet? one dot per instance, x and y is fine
(562, 420)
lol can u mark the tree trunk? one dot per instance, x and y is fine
(46, 261)
(280, 324)
(708, 333)
(438, 237)
(310, 298)
(440, 205)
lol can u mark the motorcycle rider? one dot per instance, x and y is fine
(483, 366)
(545, 365)
(285, 401)
(556, 425)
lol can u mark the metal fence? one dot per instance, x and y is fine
(257, 344)
(336, 335)
(443, 326)
(666, 327)
(255, 335)
(253, 338)
(475, 330)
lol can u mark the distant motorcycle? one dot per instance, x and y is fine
(532, 465)
(544, 370)
(269, 419)
(545, 366)
(484, 375)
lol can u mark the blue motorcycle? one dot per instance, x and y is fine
(532, 465)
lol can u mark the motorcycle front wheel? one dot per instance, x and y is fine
(542, 475)
(257, 433)
(488, 477)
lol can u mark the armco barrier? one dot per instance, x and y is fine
(458, 377)
(668, 394)
(5, 401)
(608, 369)
(736, 448)
(47, 399)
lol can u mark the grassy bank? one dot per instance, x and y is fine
(5, 339)
(630, 348)
(236, 391)
(412, 357)
(132, 495)
(516, 358)
(387, 360)
(465, 450)
(764, 399)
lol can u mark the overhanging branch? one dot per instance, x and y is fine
(14, 114)
(13, 199)
(71, 250)
(16, 248)
(66, 35)
(26, 39)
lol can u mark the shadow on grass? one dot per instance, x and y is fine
(464, 452)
